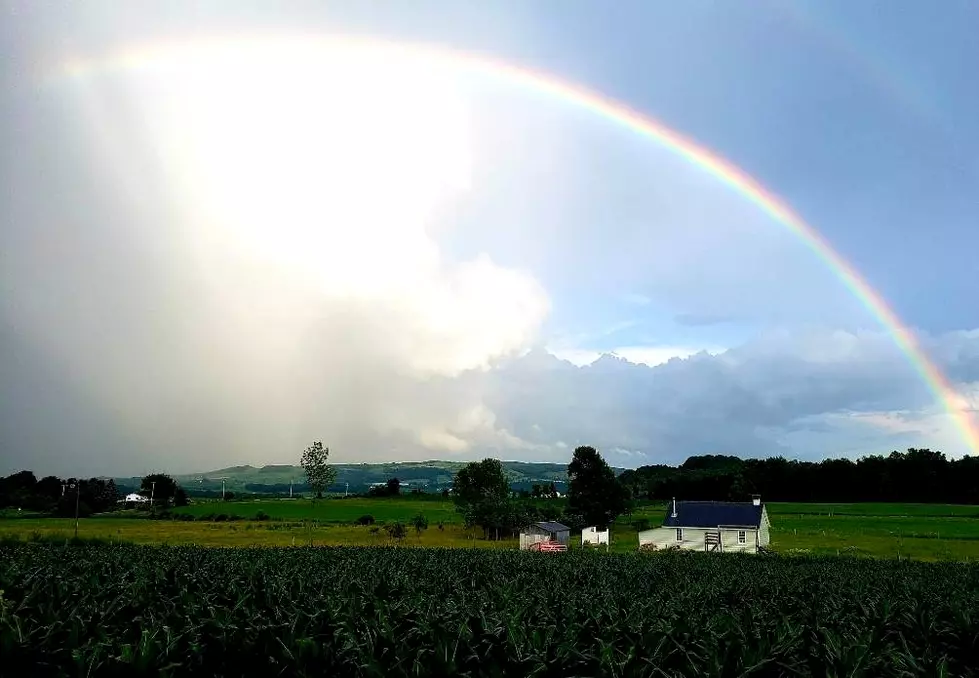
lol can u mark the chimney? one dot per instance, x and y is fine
(756, 499)
(673, 515)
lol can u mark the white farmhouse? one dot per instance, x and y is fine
(711, 526)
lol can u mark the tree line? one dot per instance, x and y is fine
(62, 496)
(482, 494)
(918, 475)
(52, 494)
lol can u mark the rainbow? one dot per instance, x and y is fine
(615, 112)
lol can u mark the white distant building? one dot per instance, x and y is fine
(134, 499)
(711, 526)
(592, 535)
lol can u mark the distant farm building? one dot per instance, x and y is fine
(711, 526)
(592, 535)
(134, 499)
(537, 535)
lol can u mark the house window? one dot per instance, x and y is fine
(679, 534)
(742, 537)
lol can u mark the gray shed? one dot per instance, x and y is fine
(547, 530)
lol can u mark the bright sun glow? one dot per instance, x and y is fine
(304, 180)
(325, 160)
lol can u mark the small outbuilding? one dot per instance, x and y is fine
(134, 498)
(592, 535)
(546, 531)
(711, 526)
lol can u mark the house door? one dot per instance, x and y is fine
(712, 541)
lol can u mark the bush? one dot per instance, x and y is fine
(397, 530)
(66, 508)
(642, 524)
(419, 522)
(261, 515)
(367, 519)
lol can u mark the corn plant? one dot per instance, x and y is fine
(118, 609)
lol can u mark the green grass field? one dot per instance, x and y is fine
(330, 510)
(918, 531)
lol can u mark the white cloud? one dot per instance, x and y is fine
(245, 260)
(638, 355)
(806, 393)
(636, 299)
(294, 290)
(657, 355)
(576, 356)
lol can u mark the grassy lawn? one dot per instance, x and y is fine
(244, 533)
(926, 532)
(330, 510)
(876, 509)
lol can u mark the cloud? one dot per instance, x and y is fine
(657, 355)
(280, 284)
(636, 299)
(638, 355)
(205, 266)
(701, 320)
(812, 393)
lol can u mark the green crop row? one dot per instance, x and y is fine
(130, 611)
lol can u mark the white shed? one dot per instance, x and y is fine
(592, 535)
(547, 531)
(711, 526)
(134, 498)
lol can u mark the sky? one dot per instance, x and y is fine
(230, 229)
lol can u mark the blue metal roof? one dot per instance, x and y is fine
(551, 526)
(713, 514)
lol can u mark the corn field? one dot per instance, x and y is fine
(97, 610)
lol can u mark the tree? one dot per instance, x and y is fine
(161, 487)
(482, 494)
(319, 474)
(396, 530)
(594, 492)
(480, 481)
(17, 489)
(419, 522)
(394, 487)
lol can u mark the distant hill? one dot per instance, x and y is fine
(430, 476)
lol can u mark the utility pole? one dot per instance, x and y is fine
(152, 492)
(78, 491)
(222, 490)
(346, 489)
